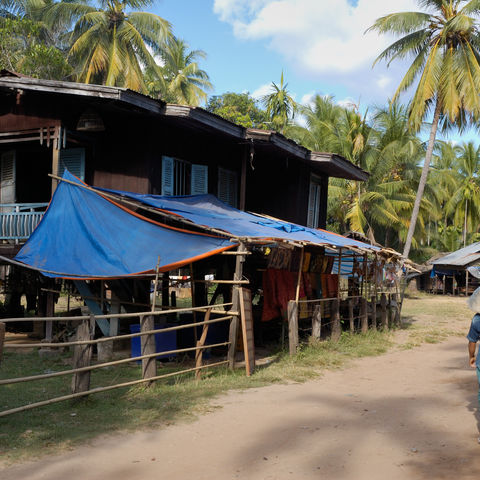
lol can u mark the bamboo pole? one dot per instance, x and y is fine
(103, 389)
(122, 315)
(141, 206)
(118, 337)
(43, 376)
(235, 323)
(229, 282)
(201, 343)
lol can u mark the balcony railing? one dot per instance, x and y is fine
(18, 220)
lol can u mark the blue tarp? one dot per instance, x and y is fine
(209, 211)
(83, 235)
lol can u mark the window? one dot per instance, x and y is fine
(183, 178)
(7, 177)
(314, 202)
(228, 187)
(72, 159)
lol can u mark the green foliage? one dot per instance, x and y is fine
(109, 43)
(22, 50)
(179, 79)
(280, 106)
(239, 108)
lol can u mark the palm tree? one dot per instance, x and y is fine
(182, 81)
(111, 42)
(280, 105)
(464, 203)
(444, 44)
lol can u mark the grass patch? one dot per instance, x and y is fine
(63, 425)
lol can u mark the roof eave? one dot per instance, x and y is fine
(345, 168)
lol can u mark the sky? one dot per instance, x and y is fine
(320, 45)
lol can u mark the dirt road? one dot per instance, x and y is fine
(409, 414)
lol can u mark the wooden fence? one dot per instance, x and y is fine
(84, 341)
(326, 312)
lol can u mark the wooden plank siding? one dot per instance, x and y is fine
(140, 130)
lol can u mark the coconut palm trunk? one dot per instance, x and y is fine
(423, 179)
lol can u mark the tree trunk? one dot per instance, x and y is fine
(465, 225)
(423, 180)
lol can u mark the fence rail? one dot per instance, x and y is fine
(82, 366)
(19, 220)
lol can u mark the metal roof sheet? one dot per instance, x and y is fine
(461, 258)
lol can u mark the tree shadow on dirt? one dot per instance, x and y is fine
(409, 435)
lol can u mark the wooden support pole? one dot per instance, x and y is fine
(466, 283)
(82, 355)
(317, 322)
(373, 307)
(292, 327)
(50, 312)
(201, 343)
(55, 163)
(384, 316)
(235, 322)
(149, 365)
(335, 318)
(299, 276)
(391, 311)
(396, 309)
(363, 315)
(350, 315)
(2, 339)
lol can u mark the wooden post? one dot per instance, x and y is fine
(292, 327)
(317, 322)
(363, 314)
(235, 322)
(383, 306)
(50, 312)
(201, 343)
(335, 318)
(396, 310)
(149, 365)
(391, 313)
(373, 305)
(246, 316)
(55, 159)
(466, 283)
(82, 355)
(350, 315)
(299, 276)
(2, 340)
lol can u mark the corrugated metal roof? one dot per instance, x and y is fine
(461, 258)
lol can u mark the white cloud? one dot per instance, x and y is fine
(262, 91)
(318, 36)
(307, 99)
(383, 81)
(348, 102)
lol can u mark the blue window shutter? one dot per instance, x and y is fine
(313, 205)
(227, 186)
(167, 176)
(199, 182)
(72, 159)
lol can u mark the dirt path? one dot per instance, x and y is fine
(408, 414)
